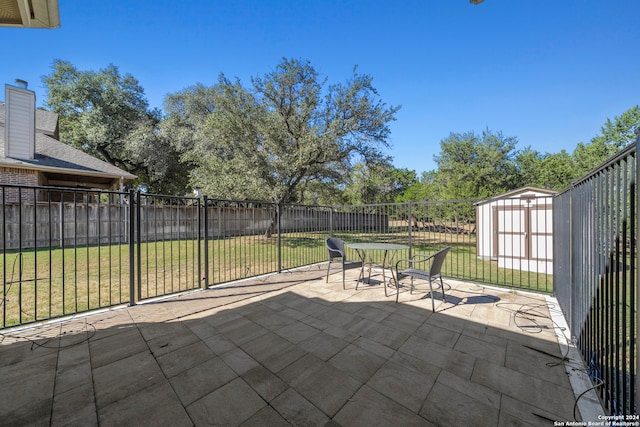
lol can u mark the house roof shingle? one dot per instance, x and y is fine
(54, 156)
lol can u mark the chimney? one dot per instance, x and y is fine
(19, 121)
(22, 84)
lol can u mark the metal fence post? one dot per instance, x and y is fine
(132, 249)
(199, 239)
(572, 281)
(331, 221)
(409, 222)
(139, 243)
(634, 337)
(206, 243)
(278, 212)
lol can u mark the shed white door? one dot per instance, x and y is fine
(523, 234)
(511, 231)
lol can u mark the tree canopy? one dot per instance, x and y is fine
(614, 136)
(106, 114)
(377, 183)
(474, 166)
(98, 110)
(290, 136)
(268, 141)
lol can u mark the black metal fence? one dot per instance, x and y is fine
(595, 276)
(65, 257)
(67, 251)
(504, 241)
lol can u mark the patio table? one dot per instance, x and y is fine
(389, 249)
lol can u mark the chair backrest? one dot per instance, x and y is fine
(335, 247)
(438, 260)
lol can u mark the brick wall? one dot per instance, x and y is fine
(15, 176)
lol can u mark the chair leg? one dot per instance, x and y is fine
(442, 286)
(344, 287)
(433, 305)
(328, 268)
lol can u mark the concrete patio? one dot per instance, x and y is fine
(289, 349)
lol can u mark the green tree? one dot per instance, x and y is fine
(555, 171)
(186, 114)
(550, 171)
(424, 189)
(615, 135)
(97, 109)
(271, 140)
(474, 166)
(588, 156)
(379, 182)
(160, 169)
(622, 131)
(316, 192)
(528, 162)
(106, 114)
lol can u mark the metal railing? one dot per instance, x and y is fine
(63, 251)
(67, 251)
(500, 241)
(595, 277)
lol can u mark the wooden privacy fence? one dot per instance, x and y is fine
(31, 225)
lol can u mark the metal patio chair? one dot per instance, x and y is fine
(416, 269)
(335, 247)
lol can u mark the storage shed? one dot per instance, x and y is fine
(516, 229)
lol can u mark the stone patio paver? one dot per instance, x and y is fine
(231, 404)
(152, 406)
(368, 408)
(290, 349)
(322, 384)
(467, 411)
(198, 381)
(75, 407)
(125, 377)
(297, 410)
(401, 381)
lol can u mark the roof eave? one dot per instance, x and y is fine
(25, 165)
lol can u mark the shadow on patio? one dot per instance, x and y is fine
(291, 349)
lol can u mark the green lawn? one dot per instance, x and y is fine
(41, 284)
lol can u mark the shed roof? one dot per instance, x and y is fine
(518, 191)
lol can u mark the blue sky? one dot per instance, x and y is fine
(548, 72)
